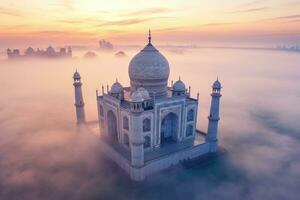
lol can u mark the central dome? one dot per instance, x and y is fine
(149, 69)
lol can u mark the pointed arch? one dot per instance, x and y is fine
(147, 141)
(169, 128)
(190, 115)
(146, 125)
(112, 125)
(126, 140)
(189, 130)
(101, 110)
(125, 123)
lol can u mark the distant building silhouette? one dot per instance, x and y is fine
(90, 54)
(106, 45)
(120, 54)
(48, 53)
(294, 48)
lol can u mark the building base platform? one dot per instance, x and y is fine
(157, 159)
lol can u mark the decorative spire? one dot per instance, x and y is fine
(149, 37)
(76, 75)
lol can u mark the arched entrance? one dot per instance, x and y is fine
(112, 126)
(169, 128)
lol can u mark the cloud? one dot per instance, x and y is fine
(292, 3)
(68, 4)
(219, 24)
(80, 21)
(64, 4)
(253, 3)
(43, 155)
(52, 33)
(125, 22)
(102, 23)
(11, 12)
(178, 28)
(287, 17)
(71, 21)
(148, 11)
(272, 121)
(257, 9)
(46, 158)
(291, 21)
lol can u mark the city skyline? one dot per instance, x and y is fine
(173, 22)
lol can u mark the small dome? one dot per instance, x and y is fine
(116, 88)
(136, 96)
(217, 84)
(50, 49)
(144, 93)
(76, 75)
(29, 50)
(179, 86)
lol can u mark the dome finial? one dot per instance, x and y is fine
(76, 75)
(217, 84)
(149, 37)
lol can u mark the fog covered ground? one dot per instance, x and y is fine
(44, 156)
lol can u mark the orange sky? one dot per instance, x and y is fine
(60, 22)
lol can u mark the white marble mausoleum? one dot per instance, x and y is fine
(150, 125)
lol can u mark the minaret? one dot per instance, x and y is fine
(69, 52)
(79, 104)
(149, 37)
(137, 138)
(212, 131)
(9, 52)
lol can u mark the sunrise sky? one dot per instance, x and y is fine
(126, 22)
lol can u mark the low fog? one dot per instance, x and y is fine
(44, 156)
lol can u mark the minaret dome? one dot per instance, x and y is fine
(217, 85)
(76, 76)
(178, 88)
(116, 88)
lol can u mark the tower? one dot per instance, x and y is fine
(69, 53)
(79, 104)
(212, 131)
(9, 53)
(137, 139)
